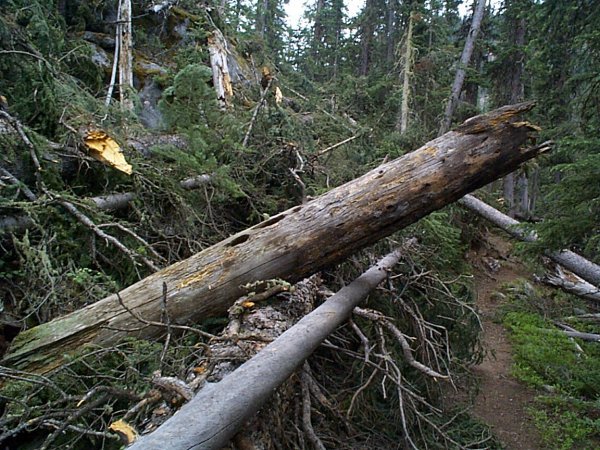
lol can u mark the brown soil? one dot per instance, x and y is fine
(502, 401)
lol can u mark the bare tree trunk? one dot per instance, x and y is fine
(577, 264)
(524, 209)
(402, 124)
(125, 55)
(508, 193)
(464, 63)
(295, 243)
(217, 48)
(217, 412)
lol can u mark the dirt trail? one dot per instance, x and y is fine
(502, 401)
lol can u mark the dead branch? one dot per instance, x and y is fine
(406, 349)
(306, 414)
(255, 113)
(334, 146)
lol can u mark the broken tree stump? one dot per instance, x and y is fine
(297, 242)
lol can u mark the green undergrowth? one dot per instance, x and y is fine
(565, 371)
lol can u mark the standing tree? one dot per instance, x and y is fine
(461, 70)
(123, 58)
(508, 73)
(407, 57)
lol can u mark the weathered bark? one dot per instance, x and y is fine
(572, 284)
(216, 413)
(125, 55)
(217, 47)
(297, 242)
(461, 71)
(577, 264)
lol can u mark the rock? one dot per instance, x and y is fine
(100, 58)
(149, 115)
(104, 40)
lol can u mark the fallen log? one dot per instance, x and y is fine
(295, 243)
(573, 333)
(217, 412)
(577, 264)
(571, 283)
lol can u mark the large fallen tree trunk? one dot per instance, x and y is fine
(218, 411)
(295, 243)
(577, 264)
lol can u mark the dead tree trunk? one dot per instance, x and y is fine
(577, 264)
(402, 123)
(217, 47)
(297, 242)
(125, 55)
(572, 284)
(461, 72)
(216, 413)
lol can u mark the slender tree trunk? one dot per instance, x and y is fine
(366, 40)
(318, 30)
(390, 32)
(534, 190)
(295, 243)
(402, 124)
(125, 55)
(217, 412)
(517, 94)
(464, 63)
(577, 264)
(524, 207)
(508, 193)
(261, 17)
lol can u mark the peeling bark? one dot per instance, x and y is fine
(217, 47)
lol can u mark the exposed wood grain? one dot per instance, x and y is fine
(297, 242)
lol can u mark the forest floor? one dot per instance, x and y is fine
(502, 401)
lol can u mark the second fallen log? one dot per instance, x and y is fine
(297, 242)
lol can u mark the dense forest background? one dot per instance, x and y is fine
(308, 109)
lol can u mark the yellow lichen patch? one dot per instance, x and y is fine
(428, 151)
(124, 430)
(198, 276)
(106, 150)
